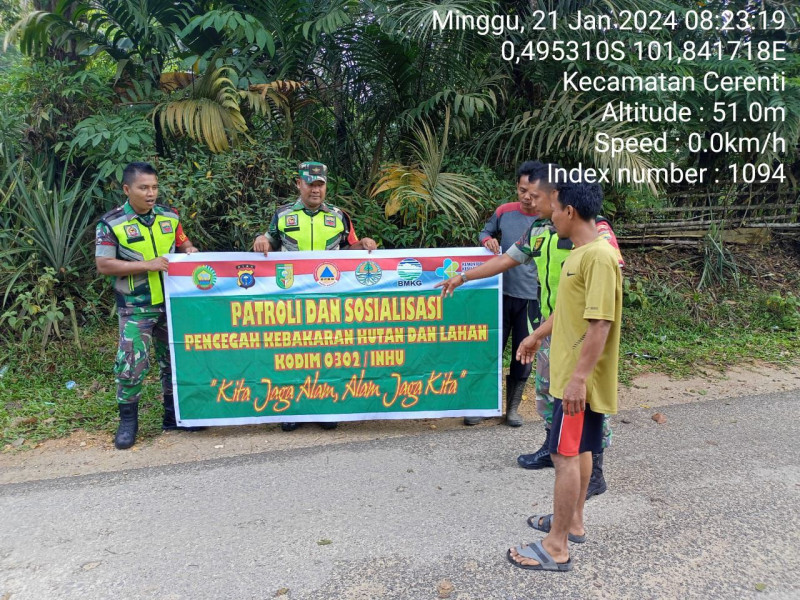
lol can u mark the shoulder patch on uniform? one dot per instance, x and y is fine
(538, 243)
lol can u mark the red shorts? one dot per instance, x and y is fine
(569, 436)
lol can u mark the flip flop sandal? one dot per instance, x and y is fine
(537, 552)
(546, 521)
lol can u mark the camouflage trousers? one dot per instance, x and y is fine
(545, 402)
(137, 333)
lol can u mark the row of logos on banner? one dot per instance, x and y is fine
(326, 274)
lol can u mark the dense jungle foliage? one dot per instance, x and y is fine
(421, 129)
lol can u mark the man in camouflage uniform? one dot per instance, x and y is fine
(310, 223)
(131, 243)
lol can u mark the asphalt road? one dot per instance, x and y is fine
(704, 506)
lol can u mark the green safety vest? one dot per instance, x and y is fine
(310, 232)
(553, 252)
(141, 242)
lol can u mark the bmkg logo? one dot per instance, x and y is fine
(246, 279)
(409, 270)
(204, 277)
(284, 276)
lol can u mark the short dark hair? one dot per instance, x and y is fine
(528, 168)
(537, 171)
(586, 198)
(133, 169)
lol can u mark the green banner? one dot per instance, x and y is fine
(333, 336)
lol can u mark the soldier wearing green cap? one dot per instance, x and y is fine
(310, 223)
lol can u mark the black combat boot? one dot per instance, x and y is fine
(510, 386)
(514, 389)
(128, 425)
(539, 459)
(168, 423)
(597, 483)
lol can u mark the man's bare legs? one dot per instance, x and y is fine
(569, 496)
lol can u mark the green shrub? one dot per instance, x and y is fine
(719, 265)
(784, 310)
(38, 308)
(108, 141)
(226, 199)
(633, 295)
(495, 188)
(44, 249)
(44, 101)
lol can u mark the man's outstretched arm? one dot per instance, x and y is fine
(493, 266)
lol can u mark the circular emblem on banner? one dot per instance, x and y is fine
(204, 277)
(368, 273)
(326, 274)
(409, 269)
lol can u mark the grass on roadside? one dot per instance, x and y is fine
(35, 403)
(671, 326)
(681, 337)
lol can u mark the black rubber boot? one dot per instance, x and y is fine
(597, 483)
(539, 459)
(168, 423)
(472, 420)
(514, 389)
(289, 426)
(128, 426)
(329, 426)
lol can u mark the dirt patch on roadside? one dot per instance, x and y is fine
(83, 453)
(657, 389)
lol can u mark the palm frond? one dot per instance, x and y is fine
(417, 190)
(210, 110)
(565, 127)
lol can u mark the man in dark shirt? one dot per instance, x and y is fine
(520, 286)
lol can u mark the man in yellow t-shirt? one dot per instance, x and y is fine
(584, 355)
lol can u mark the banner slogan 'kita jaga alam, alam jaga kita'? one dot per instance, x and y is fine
(331, 336)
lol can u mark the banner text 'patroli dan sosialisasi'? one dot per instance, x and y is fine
(332, 336)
